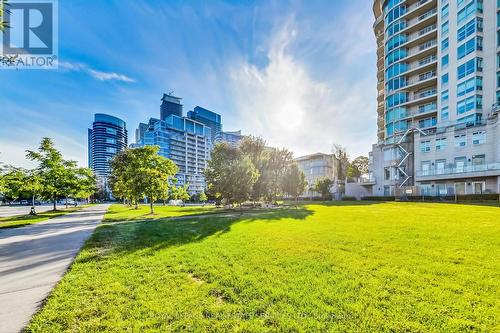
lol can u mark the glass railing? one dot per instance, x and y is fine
(459, 170)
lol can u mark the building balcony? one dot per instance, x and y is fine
(426, 17)
(423, 50)
(422, 65)
(418, 8)
(426, 33)
(368, 181)
(495, 109)
(467, 171)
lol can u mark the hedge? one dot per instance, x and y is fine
(381, 198)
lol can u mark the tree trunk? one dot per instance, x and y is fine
(54, 201)
(66, 202)
(151, 207)
(33, 210)
(136, 204)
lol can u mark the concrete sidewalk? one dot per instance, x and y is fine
(35, 257)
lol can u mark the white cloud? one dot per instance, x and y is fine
(103, 76)
(98, 75)
(283, 103)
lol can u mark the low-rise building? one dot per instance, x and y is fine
(317, 166)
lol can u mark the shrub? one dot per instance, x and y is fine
(478, 197)
(377, 198)
(347, 198)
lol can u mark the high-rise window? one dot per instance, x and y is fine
(445, 44)
(445, 79)
(469, 47)
(467, 30)
(427, 122)
(440, 143)
(444, 96)
(445, 28)
(425, 146)
(478, 137)
(460, 140)
(445, 12)
(444, 113)
(470, 85)
(444, 61)
(469, 10)
(469, 103)
(468, 68)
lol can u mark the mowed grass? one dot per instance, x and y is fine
(120, 212)
(22, 220)
(381, 267)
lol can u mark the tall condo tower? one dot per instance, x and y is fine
(438, 84)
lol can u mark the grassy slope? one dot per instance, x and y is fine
(126, 213)
(374, 267)
(22, 220)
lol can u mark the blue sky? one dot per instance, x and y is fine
(299, 73)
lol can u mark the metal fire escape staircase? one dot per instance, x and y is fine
(406, 154)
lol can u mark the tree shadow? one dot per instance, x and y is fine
(154, 235)
(335, 203)
(146, 215)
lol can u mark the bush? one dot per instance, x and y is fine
(451, 198)
(347, 198)
(478, 197)
(381, 198)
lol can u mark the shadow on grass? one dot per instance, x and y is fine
(334, 203)
(146, 215)
(154, 235)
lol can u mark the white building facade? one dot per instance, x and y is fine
(438, 97)
(317, 166)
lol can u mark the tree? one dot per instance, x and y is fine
(34, 186)
(323, 186)
(294, 181)
(341, 155)
(255, 149)
(3, 10)
(69, 180)
(180, 193)
(85, 184)
(14, 181)
(140, 172)
(279, 160)
(358, 167)
(51, 168)
(230, 174)
(203, 197)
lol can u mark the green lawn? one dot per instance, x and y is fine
(368, 267)
(126, 213)
(22, 220)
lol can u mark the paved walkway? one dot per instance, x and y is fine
(22, 210)
(34, 258)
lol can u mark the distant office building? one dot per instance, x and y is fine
(233, 138)
(208, 118)
(317, 166)
(107, 137)
(139, 132)
(170, 105)
(185, 141)
(438, 102)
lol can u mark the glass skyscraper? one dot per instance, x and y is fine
(438, 96)
(209, 118)
(170, 105)
(185, 141)
(107, 137)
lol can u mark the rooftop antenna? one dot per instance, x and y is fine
(171, 93)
